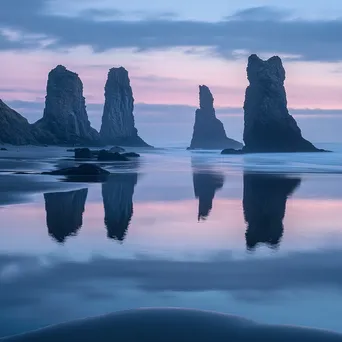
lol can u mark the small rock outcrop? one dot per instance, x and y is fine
(264, 205)
(81, 170)
(232, 151)
(117, 194)
(109, 156)
(268, 125)
(83, 153)
(118, 126)
(64, 213)
(117, 149)
(14, 128)
(209, 132)
(65, 119)
(130, 155)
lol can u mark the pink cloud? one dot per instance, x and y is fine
(166, 77)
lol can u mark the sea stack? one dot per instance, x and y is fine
(118, 126)
(65, 120)
(268, 125)
(209, 132)
(14, 128)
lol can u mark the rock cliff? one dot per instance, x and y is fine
(268, 125)
(65, 119)
(117, 194)
(14, 128)
(209, 132)
(118, 126)
(64, 213)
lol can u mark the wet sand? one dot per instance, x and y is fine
(169, 325)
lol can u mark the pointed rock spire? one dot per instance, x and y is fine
(118, 125)
(209, 132)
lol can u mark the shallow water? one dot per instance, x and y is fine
(258, 236)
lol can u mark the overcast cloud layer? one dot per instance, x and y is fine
(30, 24)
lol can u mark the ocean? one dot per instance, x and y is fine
(257, 235)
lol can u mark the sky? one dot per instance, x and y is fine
(169, 48)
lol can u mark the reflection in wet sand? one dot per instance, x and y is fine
(264, 205)
(206, 183)
(117, 194)
(64, 213)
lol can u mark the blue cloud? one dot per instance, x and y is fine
(260, 30)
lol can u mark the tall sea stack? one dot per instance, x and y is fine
(209, 132)
(118, 126)
(65, 119)
(14, 128)
(268, 125)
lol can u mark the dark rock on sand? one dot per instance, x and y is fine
(117, 149)
(118, 125)
(264, 205)
(83, 153)
(14, 128)
(268, 125)
(232, 151)
(209, 132)
(65, 119)
(108, 156)
(3, 149)
(81, 170)
(64, 213)
(131, 155)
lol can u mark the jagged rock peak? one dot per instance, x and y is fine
(206, 99)
(268, 125)
(209, 132)
(259, 70)
(120, 74)
(65, 119)
(118, 125)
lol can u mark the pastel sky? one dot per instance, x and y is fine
(169, 48)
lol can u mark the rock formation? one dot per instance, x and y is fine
(104, 155)
(264, 205)
(118, 126)
(14, 128)
(83, 173)
(268, 125)
(209, 132)
(65, 119)
(64, 213)
(205, 186)
(117, 196)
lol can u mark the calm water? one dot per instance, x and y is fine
(257, 236)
